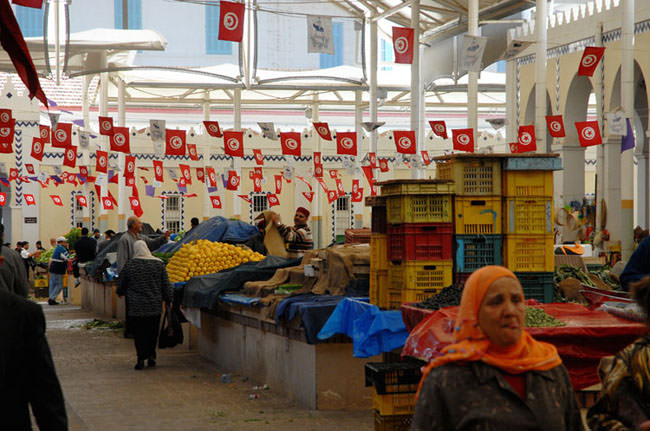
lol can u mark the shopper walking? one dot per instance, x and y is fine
(58, 268)
(144, 282)
(495, 376)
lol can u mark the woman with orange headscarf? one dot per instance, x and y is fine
(495, 376)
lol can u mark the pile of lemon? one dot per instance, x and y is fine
(206, 257)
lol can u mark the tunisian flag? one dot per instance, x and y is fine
(525, 140)
(7, 136)
(439, 128)
(346, 143)
(323, 130)
(62, 135)
(588, 133)
(11, 39)
(44, 131)
(212, 127)
(106, 126)
(36, 4)
(405, 141)
(70, 157)
(590, 59)
(231, 21)
(403, 45)
(555, 126)
(102, 162)
(290, 142)
(174, 142)
(233, 143)
(216, 201)
(463, 139)
(120, 140)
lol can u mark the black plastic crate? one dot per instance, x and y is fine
(378, 220)
(537, 285)
(392, 423)
(394, 377)
(476, 251)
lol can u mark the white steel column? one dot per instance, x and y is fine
(627, 98)
(511, 101)
(358, 119)
(372, 75)
(317, 203)
(85, 108)
(541, 22)
(600, 115)
(123, 208)
(208, 211)
(415, 80)
(472, 83)
(103, 111)
(236, 161)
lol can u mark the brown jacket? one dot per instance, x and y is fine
(476, 397)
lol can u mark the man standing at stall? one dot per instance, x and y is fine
(297, 238)
(126, 241)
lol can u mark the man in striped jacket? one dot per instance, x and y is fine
(297, 238)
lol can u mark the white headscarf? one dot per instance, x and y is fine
(141, 251)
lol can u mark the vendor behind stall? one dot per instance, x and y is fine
(638, 267)
(297, 238)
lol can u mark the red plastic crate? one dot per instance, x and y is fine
(420, 241)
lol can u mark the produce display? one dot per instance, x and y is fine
(73, 236)
(447, 297)
(603, 279)
(163, 256)
(45, 256)
(536, 317)
(205, 257)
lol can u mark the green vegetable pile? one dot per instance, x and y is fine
(602, 279)
(538, 318)
(163, 256)
(73, 236)
(45, 256)
(103, 324)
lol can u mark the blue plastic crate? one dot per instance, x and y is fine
(537, 285)
(476, 251)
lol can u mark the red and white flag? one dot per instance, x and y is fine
(106, 126)
(29, 199)
(257, 183)
(120, 140)
(233, 180)
(332, 195)
(174, 142)
(211, 175)
(246, 198)
(7, 136)
(107, 203)
(213, 129)
(290, 142)
(216, 201)
(403, 45)
(317, 158)
(129, 166)
(135, 206)
(357, 191)
(590, 59)
(36, 4)
(334, 173)
(13, 174)
(259, 158)
(339, 187)
(62, 135)
(425, 157)
(158, 171)
(278, 184)
(439, 128)
(5, 116)
(231, 21)
(588, 133)
(191, 149)
(463, 139)
(555, 126)
(30, 168)
(186, 173)
(200, 174)
(101, 165)
(57, 200)
(323, 130)
(233, 143)
(308, 195)
(82, 200)
(525, 140)
(3, 199)
(346, 143)
(44, 132)
(318, 171)
(372, 160)
(405, 141)
(383, 165)
(273, 199)
(70, 157)
(83, 171)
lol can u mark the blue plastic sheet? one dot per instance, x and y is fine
(235, 298)
(314, 311)
(215, 229)
(372, 331)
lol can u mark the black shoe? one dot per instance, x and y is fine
(151, 362)
(139, 365)
(52, 302)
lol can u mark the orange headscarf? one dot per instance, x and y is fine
(471, 344)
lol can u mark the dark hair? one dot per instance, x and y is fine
(640, 292)
(84, 231)
(95, 230)
(39, 242)
(194, 221)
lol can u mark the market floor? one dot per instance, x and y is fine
(184, 392)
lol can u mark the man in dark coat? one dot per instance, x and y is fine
(27, 375)
(638, 266)
(85, 247)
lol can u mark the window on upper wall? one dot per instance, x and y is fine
(387, 53)
(342, 217)
(336, 59)
(173, 220)
(134, 11)
(212, 43)
(260, 204)
(30, 20)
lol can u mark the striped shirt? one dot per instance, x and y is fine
(297, 239)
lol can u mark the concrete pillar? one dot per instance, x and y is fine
(85, 108)
(123, 207)
(511, 101)
(416, 93)
(573, 180)
(627, 99)
(357, 207)
(540, 77)
(317, 199)
(236, 162)
(373, 83)
(600, 115)
(612, 189)
(642, 189)
(472, 83)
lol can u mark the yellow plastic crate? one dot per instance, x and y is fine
(412, 295)
(40, 282)
(419, 209)
(393, 404)
(378, 290)
(474, 176)
(416, 187)
(529, 253)
(527, 183)
(479, 215)
(378, 252)
(421, 274)
(528, 215)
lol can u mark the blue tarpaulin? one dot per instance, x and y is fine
(314, 310)
(372, 331)
(215, 229)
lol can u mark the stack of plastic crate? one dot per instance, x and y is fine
(419, 238)
(528, 222)
(378, 290)
(394, 388)
(478, 212)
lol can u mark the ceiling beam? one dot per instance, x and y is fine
(393, 10)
